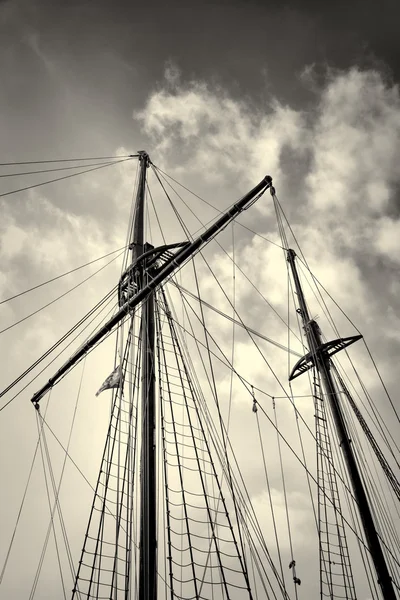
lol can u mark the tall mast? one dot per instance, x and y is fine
(148, 530)
(319, 356)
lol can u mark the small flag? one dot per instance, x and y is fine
(112, 381)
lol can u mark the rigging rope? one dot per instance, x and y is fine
(62, 275)
(38, 172)
(57, 160)
(245, 502)
(22, 504)
(268, 488)
(36, 185)
(59, 297)
(214, 208)
(235, 321)
(187, 377)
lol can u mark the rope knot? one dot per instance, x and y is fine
(254, 409)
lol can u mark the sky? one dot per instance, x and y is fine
(220, 94)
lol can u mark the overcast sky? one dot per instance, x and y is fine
(220, 94)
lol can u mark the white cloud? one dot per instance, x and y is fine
(336, 171)
(217, 135)
(336, 174)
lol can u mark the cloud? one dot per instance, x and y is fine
(339, 158)
(336, 170)
(217, 135)
(334, 167)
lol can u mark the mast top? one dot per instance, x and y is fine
(144, 156)
(137, 238)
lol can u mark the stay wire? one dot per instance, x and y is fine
(223, 428)
(179, 218)
(40, 171)
(375, 410)
(56, 488)
(22, 503)
(51, 527)
(214, 208)
(221, 453)
(269, 495)
(73, 461)
(60, 160)
(241, 559)
(62, 275)
(59, 297)
(36, 185)
(235, 321)
(381, 515)
(230, 258)
(285, 496)
(247, 386)
(344, 314)
(106, 301)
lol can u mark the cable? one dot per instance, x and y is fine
(235, 321)
(59, 297)
(60, 276)
(22, 504)
(106, 300)
(30, 187)
(39, 172)
(55, 160)
(213, 207)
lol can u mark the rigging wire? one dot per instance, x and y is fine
(281, 225)
(219, 449)
(60, 160)
(106, 301)
(224, 431)
(334, 326)
(129, 233)
(247, 386)
(73, 462)
(179, 218)
(51, 524)
(268, 487)
(214, 208)
(36, 185)
(292, 561)
(235, 321)
(246, 502)
(222, 457)
(40, 171)
(22, 502)
(232, 371)
(279, 214)
(62, 275)
(61, 296)
(375, 410)
(384, 522)
(236, 265)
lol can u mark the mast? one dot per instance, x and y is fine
(319, 356)
(149, 268)
(148, 542)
